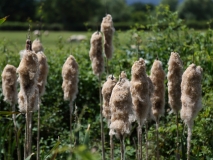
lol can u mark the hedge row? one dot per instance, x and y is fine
(18, 26)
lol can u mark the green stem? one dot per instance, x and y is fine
(111, 147)
(38, 133)
(101, 119)
(178, 154)
(157, 139)
(122, 147)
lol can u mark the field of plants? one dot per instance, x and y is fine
(167, 33)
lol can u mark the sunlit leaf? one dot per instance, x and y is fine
(28, 158)
(3, 19)
(6, 113)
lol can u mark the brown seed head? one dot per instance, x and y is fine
(70, 78)
(140, 91)
(191, 91)
(95, 53)
(9, 84)
(37, 46)
(43, 71)
(121, 108)
(175, 71)
(108, 29)
(158, 99)
(106, 92)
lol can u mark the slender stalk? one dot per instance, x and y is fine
(16, 132)
(101, 119)
(111, 147)
(157, 138)
(122, 147)
(27, 129)
(30, 132)
(189, 142)
(71, 110)
(177, 155)
(38, 133)
(146, 130)
(139, 142)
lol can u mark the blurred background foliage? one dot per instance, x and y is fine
(77, 15)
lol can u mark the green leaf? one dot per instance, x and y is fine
(53, 149)
(28, 158)
(6, 113)
(3, 19)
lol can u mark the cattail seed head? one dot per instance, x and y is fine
(175, 71)
(33, 99)
(106, 92)
(70, 78)
(140, 91)
(158, 99)
(191, 91)
(9, 84)
(37, 46)
(121, 107)
(108, 29)
(28, 75)
(95, 53)
(43, 71)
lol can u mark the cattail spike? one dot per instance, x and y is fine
(108, 30)
(158, 99)
(95, 54)
(9, 84)
(70, 78)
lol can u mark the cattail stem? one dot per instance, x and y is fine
(30, 132)
(101, 119)
(177, 155)
(16, 133)
(157, 139)
(122, 147)
(139, 142)
(111, 147)
(71, 110)
(38, 133)
(146, 130)
(27, 129)
(189, 137)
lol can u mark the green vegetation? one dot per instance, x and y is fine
(167, 33)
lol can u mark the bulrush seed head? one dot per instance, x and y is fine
(121, 107)
(37, 46)
(28, 74)
(70, 78)
(140, 91)
(33, 99)
(106, 92)
(158, 99)
(108, 29)
(175, 71)
(95, 53)
(9, 84)
(191, 93)
(43, 71)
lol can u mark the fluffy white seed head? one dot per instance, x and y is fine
(95, 53)
(9, 84)
(28, 71)
(37, 46)
(43, 71)
(175, 71)
(106, 92)
(70, 78)
(191, 91)
(121, 107)
(140, 91)
(108, 29)
(158, 99)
